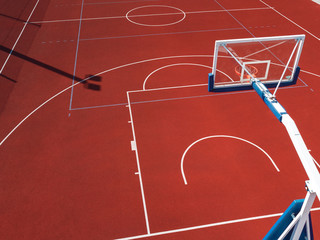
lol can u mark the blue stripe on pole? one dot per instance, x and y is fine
(284, 221)
(210, 82)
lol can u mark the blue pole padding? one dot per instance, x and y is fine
(296, 75)
(210, 82)
(271, 102)
(283, 222)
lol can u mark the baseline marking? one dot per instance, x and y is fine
(221, 136)
(208, 225)
(16, 42)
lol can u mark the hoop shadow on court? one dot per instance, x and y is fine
(90, 83)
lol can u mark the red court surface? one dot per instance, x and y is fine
(108, 130)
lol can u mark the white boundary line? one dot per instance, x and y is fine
(25, 25)
(103, 72)
(76, 58)
(139, 169)
(291, 21)
(171, 65)
(148, 15)
(208, 225)
(181, 64)
(221, 136)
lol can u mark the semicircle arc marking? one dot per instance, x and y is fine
(156, 25)
(221, 136)
(180, 64)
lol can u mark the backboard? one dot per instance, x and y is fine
(268, 59)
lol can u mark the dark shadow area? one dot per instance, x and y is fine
(10, 79)
(93, 86)
(93, 78)
(40, 64)
(19, 20)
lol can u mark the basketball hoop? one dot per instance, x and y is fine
(250, 68)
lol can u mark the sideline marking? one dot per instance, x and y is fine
(138, 166)
(24, 26)
(156, 25)
(221, 136)
(103, 72)
(76, 57)
(133, 144)
(150, 15)
(290, 20)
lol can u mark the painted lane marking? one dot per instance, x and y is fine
(103, 72)
(180, 64)
(139, 168)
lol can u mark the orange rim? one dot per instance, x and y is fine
(252, 69)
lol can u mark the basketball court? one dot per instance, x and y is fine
(109, 130)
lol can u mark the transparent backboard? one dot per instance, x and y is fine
(267, 59)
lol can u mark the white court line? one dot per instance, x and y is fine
(171, 65)
(103, 72)
(25, 25)
(181, 64)
(315, 162)
(138, 166)
(148, 15)
(291, 21)
(208, 225)
(76, 57)
(220, 136)
(217, 94)
(156, 25)
(264, 49)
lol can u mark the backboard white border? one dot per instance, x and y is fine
(242, 79)
(219, 43)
